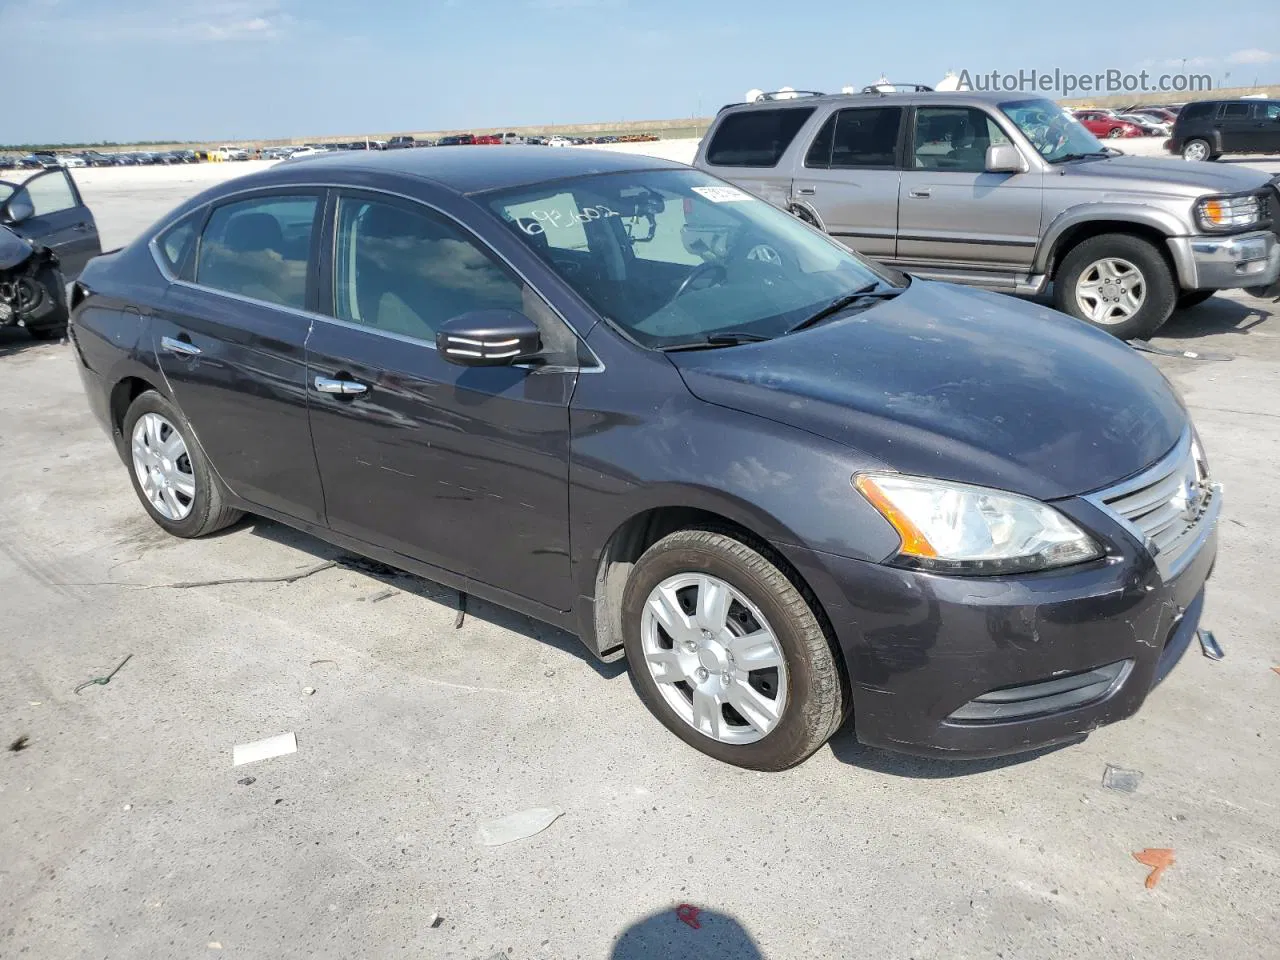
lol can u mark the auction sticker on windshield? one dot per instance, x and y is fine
(722, 194)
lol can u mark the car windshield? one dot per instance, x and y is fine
(1052, 130)
(674, 257)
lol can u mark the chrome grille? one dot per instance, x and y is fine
(1166, 507)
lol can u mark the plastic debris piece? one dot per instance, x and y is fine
(247, 781)
(1158, 859)
(434, 921)
(688, 915)
(277, 746)
(103, 681)
(1209, 645)
(128, 806)
(517, 826)
(1118, 778)
(1276, 670)
(384, 595)
(309, 691)
(316, 663)
(214, 945)
(20, 744)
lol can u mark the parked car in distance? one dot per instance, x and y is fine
(488, 139)
(71, 160)
(833, 539)
(403, 142)
(1150, 126)
(1206, 129)
(511, 140)
(558, 142)
(1005, 192)
(1102, 123)
(231, 152)
(457, 140)
(1160, 114)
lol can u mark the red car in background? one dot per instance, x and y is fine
(488, 139)
(1102, 123)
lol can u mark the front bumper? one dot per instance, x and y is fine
(1225, 263)
(977, 667)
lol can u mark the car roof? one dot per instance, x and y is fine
(468, 170)
(959, 98)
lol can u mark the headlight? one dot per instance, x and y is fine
(956, 528)
(1226, 213)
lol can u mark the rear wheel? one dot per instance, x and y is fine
(169, 471)
(1118, 283)
(728, 653)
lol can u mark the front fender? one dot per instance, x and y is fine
(1118, 213)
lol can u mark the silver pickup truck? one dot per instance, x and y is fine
(1009, 192)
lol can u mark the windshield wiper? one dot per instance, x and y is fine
(716, 340)
(865, 292)
(1080, 156)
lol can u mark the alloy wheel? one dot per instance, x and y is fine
(163, 467)
(715, 659)
(1196, 150)
(1110, 291)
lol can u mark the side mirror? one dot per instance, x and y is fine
(488, 338)
(1003, 158)
(19, 208)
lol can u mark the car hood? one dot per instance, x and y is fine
(959, 384)
(1158, 174)
(13, 249)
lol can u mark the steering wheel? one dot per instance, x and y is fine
(717, 274)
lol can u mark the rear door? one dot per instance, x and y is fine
(230, 337)
(1235, 121)
(850, 176)
(746, 147)
(464, 468)
(951, 211)
(1266, 126)
(61, 220)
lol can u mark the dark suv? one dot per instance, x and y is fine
(1207, 129)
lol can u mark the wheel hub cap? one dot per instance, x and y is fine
(163, 467)
(714, 657)
(1110, 291)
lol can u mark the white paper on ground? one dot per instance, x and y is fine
(277, 746)
(517, 826)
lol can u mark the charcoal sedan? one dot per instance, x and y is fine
(624, 397)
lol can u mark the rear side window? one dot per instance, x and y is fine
(1235, 111)
(1196, 111)
(175, 243)
(1269, 111)
(866, 137)
(259, 248)
(756, 138)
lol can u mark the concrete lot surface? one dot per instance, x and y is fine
(127, 833)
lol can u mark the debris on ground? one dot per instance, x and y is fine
(1158, 859)
(1143, 346)
(1118, 778)
(384, 595)
(277, 746)
(517, 826)
(103, 681)
(316, 663)
(247, 781)
(688, 915)
(1209, 645)
(127, 807)
(434, 921)
(309, 691)
(462, 611)
(20, 743)
(283, 578)
(214, 945)
(1277, 670)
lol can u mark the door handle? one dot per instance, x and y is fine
(181, 347)
(807, 191)
(923, 194)
(342, 388)
(81, 227)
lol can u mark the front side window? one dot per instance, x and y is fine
(1196, 111)
(954, 138)
(259, 248)
(866, 137)
(674, 256)
(50, 193)
(756, 138)
(405, 271)
(1055, 133)
(175, 242)
(1269, 111)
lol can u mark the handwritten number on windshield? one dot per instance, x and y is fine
(539, 221)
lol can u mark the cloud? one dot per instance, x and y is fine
(1181, 62)
(76, 21)
(572, 4)
(1252, 55)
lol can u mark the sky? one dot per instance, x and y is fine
(227, 70)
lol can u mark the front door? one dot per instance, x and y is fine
(951, 212)
(61, 220)
(850, 177)
(230, 337)
(464, 468)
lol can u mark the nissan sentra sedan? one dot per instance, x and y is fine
(788, 485)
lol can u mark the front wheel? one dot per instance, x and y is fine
(1197, 150)
(1118, 283)
(169, 471)
(727, 652)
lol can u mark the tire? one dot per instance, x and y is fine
(1115, 133)
(56, 332)
(206, 507)
(1194, 298)
(1159, 290)
(1198, 148)
(808, 681)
